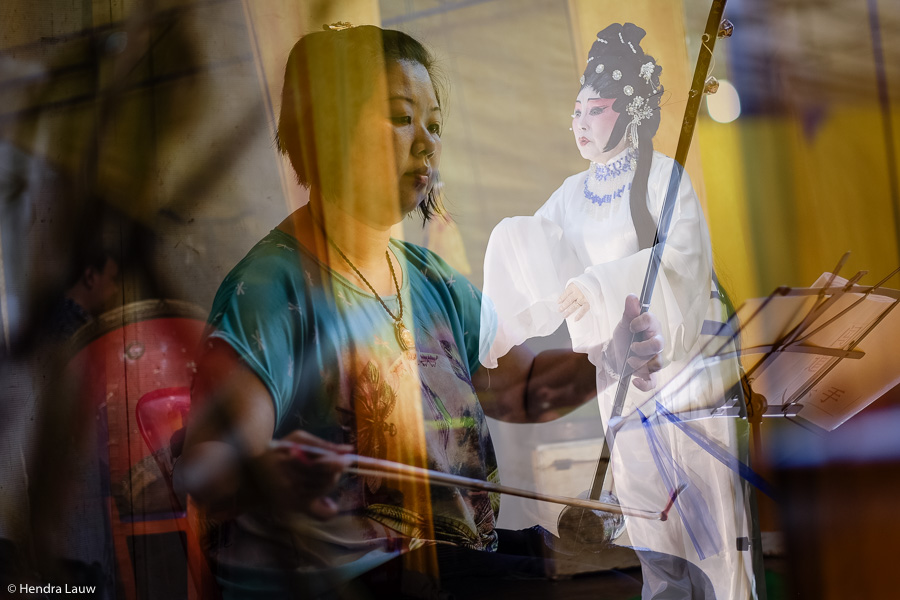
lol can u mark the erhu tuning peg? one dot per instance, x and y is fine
(726, 28)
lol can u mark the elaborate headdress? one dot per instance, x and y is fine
(618, 68)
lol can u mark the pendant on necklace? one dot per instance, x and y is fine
(404, 336)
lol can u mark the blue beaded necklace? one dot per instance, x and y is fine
(606, 173)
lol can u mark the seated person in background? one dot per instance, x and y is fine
(330, 333)
(91, 292)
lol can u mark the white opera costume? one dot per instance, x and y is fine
(584, 234)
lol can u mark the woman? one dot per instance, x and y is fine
(330, 333)
(586, 248)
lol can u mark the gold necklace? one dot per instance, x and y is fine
(404, 335)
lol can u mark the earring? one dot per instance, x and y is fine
(633, 144)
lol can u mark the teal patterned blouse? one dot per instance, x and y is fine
(328, 353)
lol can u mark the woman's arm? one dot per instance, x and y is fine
(529, 388)
(230, 464)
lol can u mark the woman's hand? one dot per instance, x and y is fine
(230, 462)
(645, 357)
(573, 302)
(283, 478)
(297, 479)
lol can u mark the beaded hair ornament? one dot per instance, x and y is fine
(641, 79)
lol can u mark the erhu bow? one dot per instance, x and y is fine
(366, 465)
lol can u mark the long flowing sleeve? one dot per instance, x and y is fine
(682, 289)
(527, 264)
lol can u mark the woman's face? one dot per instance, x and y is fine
(592, 122)
(416, 122)
(395, 149)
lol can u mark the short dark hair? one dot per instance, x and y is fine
(93, 249)
(328, 78)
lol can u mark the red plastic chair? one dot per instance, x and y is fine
(161, 414)
(135, 366)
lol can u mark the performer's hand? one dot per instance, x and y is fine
(300, 481)
(573, 302)
(645, 356)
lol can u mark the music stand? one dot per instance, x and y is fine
(819, 355)
(816, 356)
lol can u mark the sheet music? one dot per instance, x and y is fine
(851, 384)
